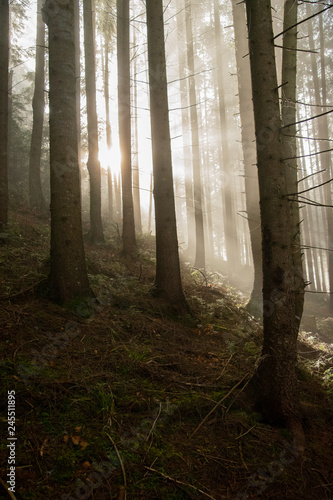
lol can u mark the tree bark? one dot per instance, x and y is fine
(68, 276)
(168, 280)
(35, 186)
(289, 145)
(274, 384)
(4, 62)
(124, 117)
(200, 259)
(254, 305)
(94, 167)
(230, 223)
(78, 75)
(183, 89)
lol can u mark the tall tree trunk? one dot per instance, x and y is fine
(183, 89)
(168, 280)
(289, 146)
(106, 78)
(274, 384)
(230, 223)
(136, 172)
(323, 132)
(117, 195)
(150, 210)
(4, 62)
(35, 186)
(94, 167)
(78, 75)
(326, 159)
(68, 275)
(197, 187)
(124, 116)
(254, 305)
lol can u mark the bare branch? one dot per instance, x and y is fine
(309, 189)
(302, 21)
(310, 154)
(307, 119)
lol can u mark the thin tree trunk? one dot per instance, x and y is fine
(96, 230)
(150, 203)
(107, 118)
(326, 159)
(274, 384)
(117, 194)
(254, 305)
(124, 115)
(183, 88)
(4, 62)
(168, 280)
(78, 74)
(35, 186)
(68, 275)
(199, 261)
(230, 224)
(136, 172)
(289, 146)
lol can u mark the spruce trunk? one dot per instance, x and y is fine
(168, 280)
(124, 117)
(68, 275)
(274, 384)
(4, 61)
(94, 168)
(35, 186)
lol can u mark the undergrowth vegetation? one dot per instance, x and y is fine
(123, 400)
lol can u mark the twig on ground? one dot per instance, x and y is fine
(154, 423)
(121, 464)
(244, 433)
(218, 404)
(180, 482)
(225, 367)
(240, 392)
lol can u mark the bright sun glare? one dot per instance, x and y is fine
(110, 157)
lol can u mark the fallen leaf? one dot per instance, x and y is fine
(43, 446)
(83, 444)
(76, 440)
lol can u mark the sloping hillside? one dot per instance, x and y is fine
(120, 399)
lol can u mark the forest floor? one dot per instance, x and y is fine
(132, 403)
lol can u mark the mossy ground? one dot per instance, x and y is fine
(132, 402)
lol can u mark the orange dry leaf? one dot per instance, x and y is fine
(76, 440)
(43, 446)
(83, 444)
